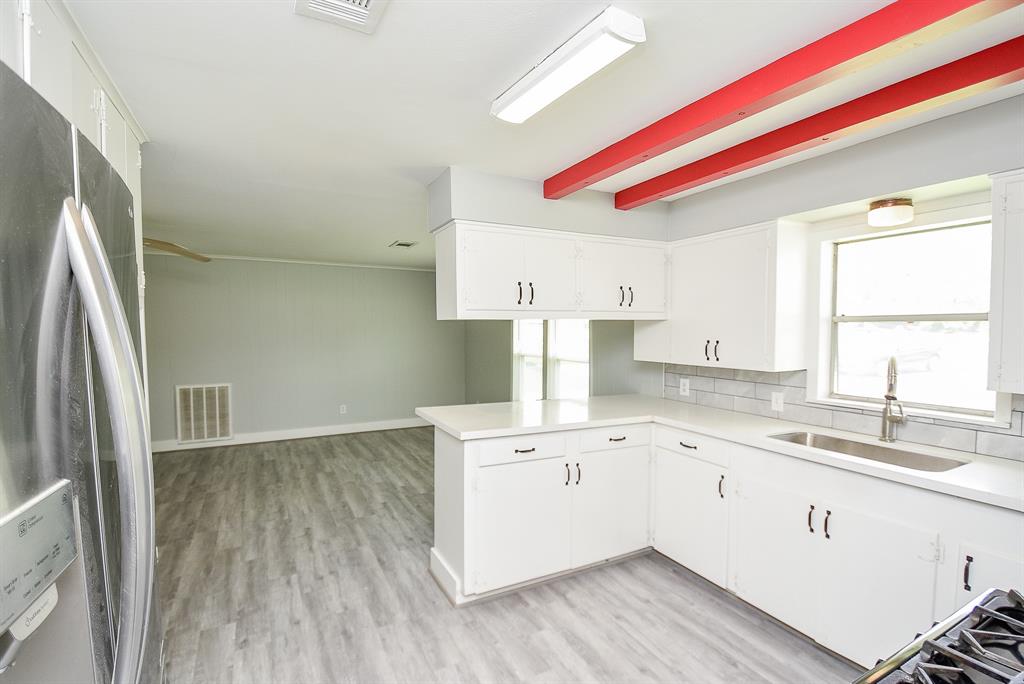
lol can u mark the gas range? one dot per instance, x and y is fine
(983, 643)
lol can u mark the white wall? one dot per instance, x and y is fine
(979, 141)
(298, 340)
(473, 196)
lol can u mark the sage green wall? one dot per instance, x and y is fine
(298, 340)
(488, 361)
(612, 368)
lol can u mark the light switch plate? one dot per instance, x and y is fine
(778, 402)
(684, 387)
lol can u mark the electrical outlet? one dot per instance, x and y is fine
(778, 403)
(684, 387)
(343, 409)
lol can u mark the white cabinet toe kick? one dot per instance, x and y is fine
(803, 541)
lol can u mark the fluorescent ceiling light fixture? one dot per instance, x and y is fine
(890, 212)
(612, 34)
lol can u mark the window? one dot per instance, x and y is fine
(550, 359)
(922, 297)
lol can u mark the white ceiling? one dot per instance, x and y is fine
(275, 135)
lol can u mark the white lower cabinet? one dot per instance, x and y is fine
(857, 563)
(524, 526)
(610, 504)
(538, 518)
(871, 566)
(980, 569)
(830, 571)
(773, 564)
(691, 513)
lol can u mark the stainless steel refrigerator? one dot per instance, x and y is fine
(77, 551)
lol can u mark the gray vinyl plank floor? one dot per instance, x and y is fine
(306, 561)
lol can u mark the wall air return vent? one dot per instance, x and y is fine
(361, 15)
(403, 244)
(204, 412)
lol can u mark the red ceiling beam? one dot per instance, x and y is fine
(977, 73)
(883, 34)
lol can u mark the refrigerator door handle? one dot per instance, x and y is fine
(122, 381)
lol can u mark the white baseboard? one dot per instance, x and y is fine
(298, 433)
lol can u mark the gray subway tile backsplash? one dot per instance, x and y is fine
(750, 392)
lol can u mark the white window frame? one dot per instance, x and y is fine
(948, 212)
(546, 376)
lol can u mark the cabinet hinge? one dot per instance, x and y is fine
(25, 11)
(138, 161)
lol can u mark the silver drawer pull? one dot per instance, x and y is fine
(688, 446)
(526, 451)
(616, 439)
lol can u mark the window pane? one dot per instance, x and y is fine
(528, 360)
(938, 271)
(568, 359)
(942, 363)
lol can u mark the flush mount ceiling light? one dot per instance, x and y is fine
(890, 212)
(612, 34)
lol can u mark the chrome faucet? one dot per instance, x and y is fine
(891, 418)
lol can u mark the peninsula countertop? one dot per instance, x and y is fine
(986, 479)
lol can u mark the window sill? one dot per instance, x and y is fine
(930, 415)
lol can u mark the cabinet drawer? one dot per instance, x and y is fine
(615, 437)
(704, 448)
(521, 448)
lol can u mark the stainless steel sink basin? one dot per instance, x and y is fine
(873, 452)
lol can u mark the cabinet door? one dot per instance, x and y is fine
(550, 266)
(645, 278)
(619, 279)
(721, 300)
(50, 47)
(1006, 343)
(523, 529)
(602, 279)
(611, 504)
(691, 513)
(875, 584)
(114, 132)
(493, 271)
(85, 99)
(980, 569)
(776, 552)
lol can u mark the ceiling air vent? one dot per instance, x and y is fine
(403, 244)
(361, 15)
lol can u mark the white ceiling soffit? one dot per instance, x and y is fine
(361, 15)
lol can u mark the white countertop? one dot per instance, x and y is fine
(995, 481)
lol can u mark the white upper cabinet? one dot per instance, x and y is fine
(507, 272)
(50, 54)
(113, 133)
(616, 277)
(86, 96)
(1006, 317)
(737, 301)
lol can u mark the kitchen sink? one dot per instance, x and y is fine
(873, 452)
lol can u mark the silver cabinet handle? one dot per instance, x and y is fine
(688, 446)
(122, 382)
